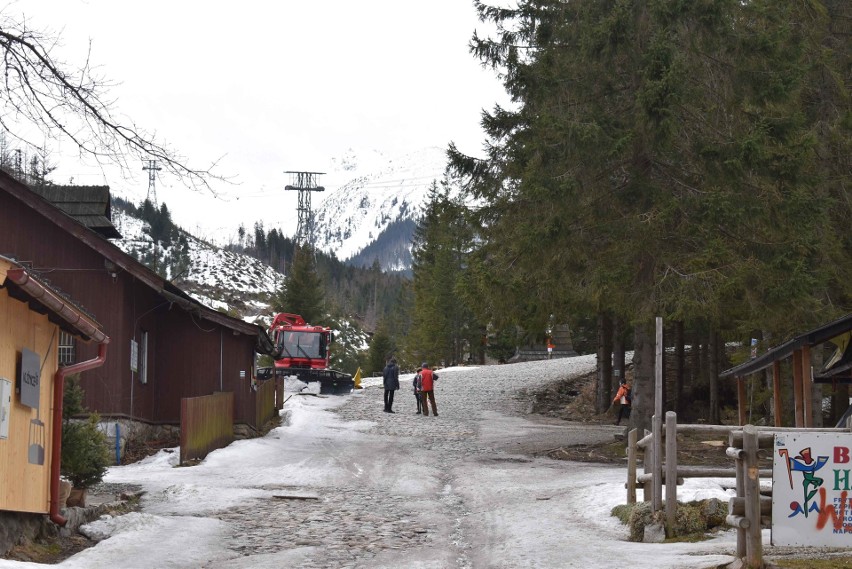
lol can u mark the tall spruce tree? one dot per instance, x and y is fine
(443, 329)
(302, 292)
(382, 348)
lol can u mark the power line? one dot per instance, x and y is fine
(382, 184)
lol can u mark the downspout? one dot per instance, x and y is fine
(58, 393)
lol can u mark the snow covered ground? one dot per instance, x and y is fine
(343, 484)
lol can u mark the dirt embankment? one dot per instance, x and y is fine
(573, 400)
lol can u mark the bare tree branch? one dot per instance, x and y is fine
(38, 91)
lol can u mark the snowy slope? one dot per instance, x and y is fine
(217, 278)
(378, 194)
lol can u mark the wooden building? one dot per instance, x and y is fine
(798, 351)
(166, 345)
(32, 316)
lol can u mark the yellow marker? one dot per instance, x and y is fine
(357, 379)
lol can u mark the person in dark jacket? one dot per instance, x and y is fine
(427, 379)
(391, 380)
(418, 385)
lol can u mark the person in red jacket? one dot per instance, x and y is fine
(625, 397)
(427, 389)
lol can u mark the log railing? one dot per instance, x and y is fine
(747, 512)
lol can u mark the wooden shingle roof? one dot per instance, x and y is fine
(90, 205)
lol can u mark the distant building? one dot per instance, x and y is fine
(560, 339)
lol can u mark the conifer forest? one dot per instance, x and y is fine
(683, 160)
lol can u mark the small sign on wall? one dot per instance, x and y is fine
(5, 407)
(134, 355)
(29, 378)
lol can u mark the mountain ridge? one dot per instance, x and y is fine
(372, 216)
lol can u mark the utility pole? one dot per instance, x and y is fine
(305, 183)
(152, 168)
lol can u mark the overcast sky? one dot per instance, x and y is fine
(274, 86)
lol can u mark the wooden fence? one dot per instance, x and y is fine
(206, 423)
(266, 406)
(747, 512)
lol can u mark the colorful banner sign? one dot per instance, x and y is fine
(812, 489)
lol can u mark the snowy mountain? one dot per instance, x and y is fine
(372, 214)
(237, 284)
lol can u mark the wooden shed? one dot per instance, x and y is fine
(798, 350)
(32, 316)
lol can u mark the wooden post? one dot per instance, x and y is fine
(797, 388)
(807, 388)
(657, 429)
(713, 371)
(776, 393)
(741, 534)
(741, 401)
(648, 468)
(659, 364)
(754, 543)
(679, 365)
(671, 472)
(631, 466)
(657, 419)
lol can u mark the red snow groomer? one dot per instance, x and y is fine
(303, 351)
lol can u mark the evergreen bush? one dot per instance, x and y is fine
(85, 453)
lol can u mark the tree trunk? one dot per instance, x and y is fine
(604, 361)
(664, 376)
(618, 361)
(704, 375)
(679, 361)
(694, 368)
(643, 377)
(713, 370)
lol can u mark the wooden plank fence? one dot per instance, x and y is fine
(206, 423)
(265, 404)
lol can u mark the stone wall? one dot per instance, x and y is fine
(18, 527)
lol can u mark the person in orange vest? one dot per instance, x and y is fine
(625, 397)
(427, 389)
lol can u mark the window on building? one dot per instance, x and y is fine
(67, 349)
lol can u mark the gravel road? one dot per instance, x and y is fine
(342, 484)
